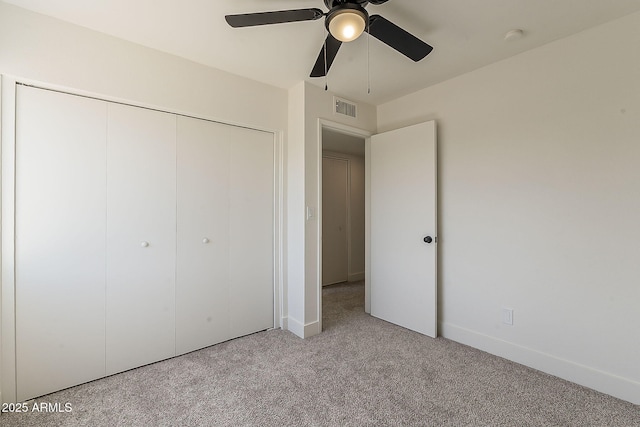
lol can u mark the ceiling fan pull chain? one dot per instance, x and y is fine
(368, 61)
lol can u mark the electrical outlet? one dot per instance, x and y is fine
(507, 316)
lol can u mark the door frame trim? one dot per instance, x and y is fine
(8, 391)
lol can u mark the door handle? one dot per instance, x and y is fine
(428, 239)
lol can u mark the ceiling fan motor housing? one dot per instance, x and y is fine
(333, 3)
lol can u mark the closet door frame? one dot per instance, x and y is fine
(8, 91)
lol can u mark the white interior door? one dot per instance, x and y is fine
(251, 230)
(60, 240)
(202, 276)
(141, 237)
(224, 285)
(335, 256)
(403, 220)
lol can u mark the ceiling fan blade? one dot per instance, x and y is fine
(332, 44)
(278, 17)
(378, 1)
(389, 33)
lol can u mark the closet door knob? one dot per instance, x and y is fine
(144, 244)
(205, 240)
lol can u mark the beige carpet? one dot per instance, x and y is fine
(360, 371)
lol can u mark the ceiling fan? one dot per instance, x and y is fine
(345, 21)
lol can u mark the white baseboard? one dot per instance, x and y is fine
(604, 382)
(332, 283)
(353, 277)
(356, 277)
(302, 330)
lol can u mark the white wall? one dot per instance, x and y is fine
(295, 257)
(356, 212)
(43, 49)
(539, 203)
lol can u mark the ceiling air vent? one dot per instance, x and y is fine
(344, 107)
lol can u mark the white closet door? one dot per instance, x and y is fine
(335, 187)
(60, 240)
(251, 184)
(141, 233)
(202, 284)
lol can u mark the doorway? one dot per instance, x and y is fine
(343, 209)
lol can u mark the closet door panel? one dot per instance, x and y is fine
(335, 195)
(141, 233)
(251, 184)
(60, 240)
(202, 285)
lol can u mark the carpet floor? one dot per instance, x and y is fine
(361, 371)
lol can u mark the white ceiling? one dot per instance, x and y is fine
(465, 34)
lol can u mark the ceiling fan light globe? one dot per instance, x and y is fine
(348, 31)
(347, 25)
